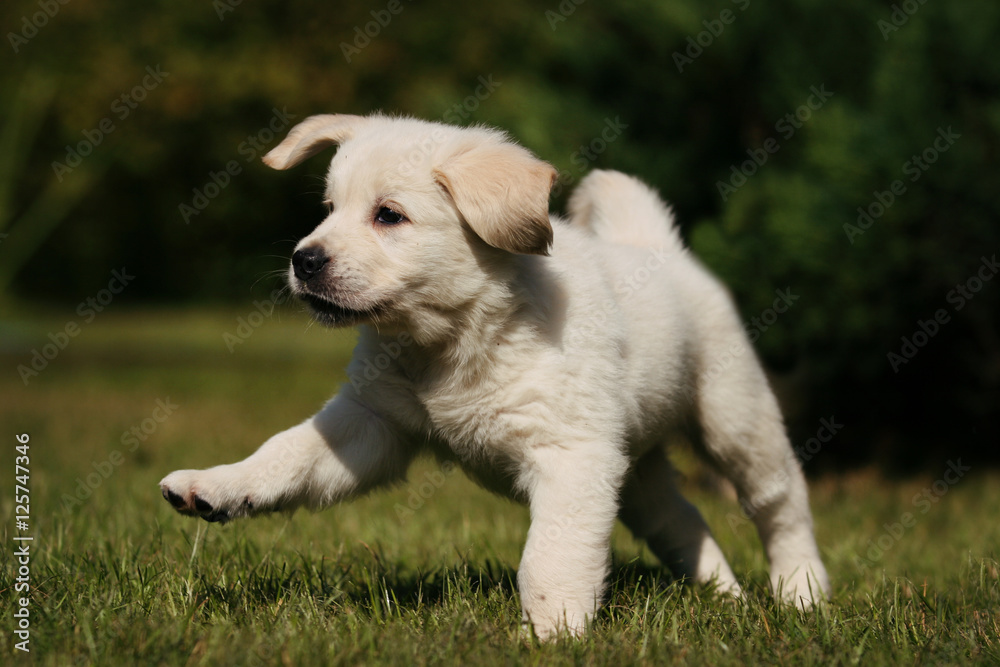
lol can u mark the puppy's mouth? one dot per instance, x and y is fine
(331, 314)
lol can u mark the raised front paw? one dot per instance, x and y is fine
(211, 494)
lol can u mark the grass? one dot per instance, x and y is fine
(398, 577)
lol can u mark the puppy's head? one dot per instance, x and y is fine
(420, 215)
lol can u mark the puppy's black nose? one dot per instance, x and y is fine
(308, 262)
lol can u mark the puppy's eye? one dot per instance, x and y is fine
(387, 216)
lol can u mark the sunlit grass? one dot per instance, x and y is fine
(402, 577)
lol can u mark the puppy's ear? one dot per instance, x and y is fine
(502, 191)
(311, 136)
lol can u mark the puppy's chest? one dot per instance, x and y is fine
(470, 416)
(479, 420)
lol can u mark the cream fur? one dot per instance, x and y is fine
(554, 380)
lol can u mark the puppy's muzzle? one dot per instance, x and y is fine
(306, 263)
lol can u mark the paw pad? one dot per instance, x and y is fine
(202, 505)
(175, 500)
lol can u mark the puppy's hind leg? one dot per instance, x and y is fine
(654, 510)
(743, 433)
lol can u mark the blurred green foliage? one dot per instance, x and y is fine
(697, 89)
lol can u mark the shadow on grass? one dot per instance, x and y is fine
(380, 589)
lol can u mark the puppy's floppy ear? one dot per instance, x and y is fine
(311, 136)
(502, 191)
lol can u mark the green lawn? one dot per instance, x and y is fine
(117, 577)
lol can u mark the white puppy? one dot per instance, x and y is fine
(551, 378)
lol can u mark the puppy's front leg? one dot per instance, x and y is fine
(344, 450)
(573, 502)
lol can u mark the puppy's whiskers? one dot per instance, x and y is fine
(274, 273)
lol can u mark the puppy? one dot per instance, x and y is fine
(551, 359)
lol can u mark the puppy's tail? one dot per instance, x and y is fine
(624, 210)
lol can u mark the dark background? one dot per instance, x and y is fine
(680, 91)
